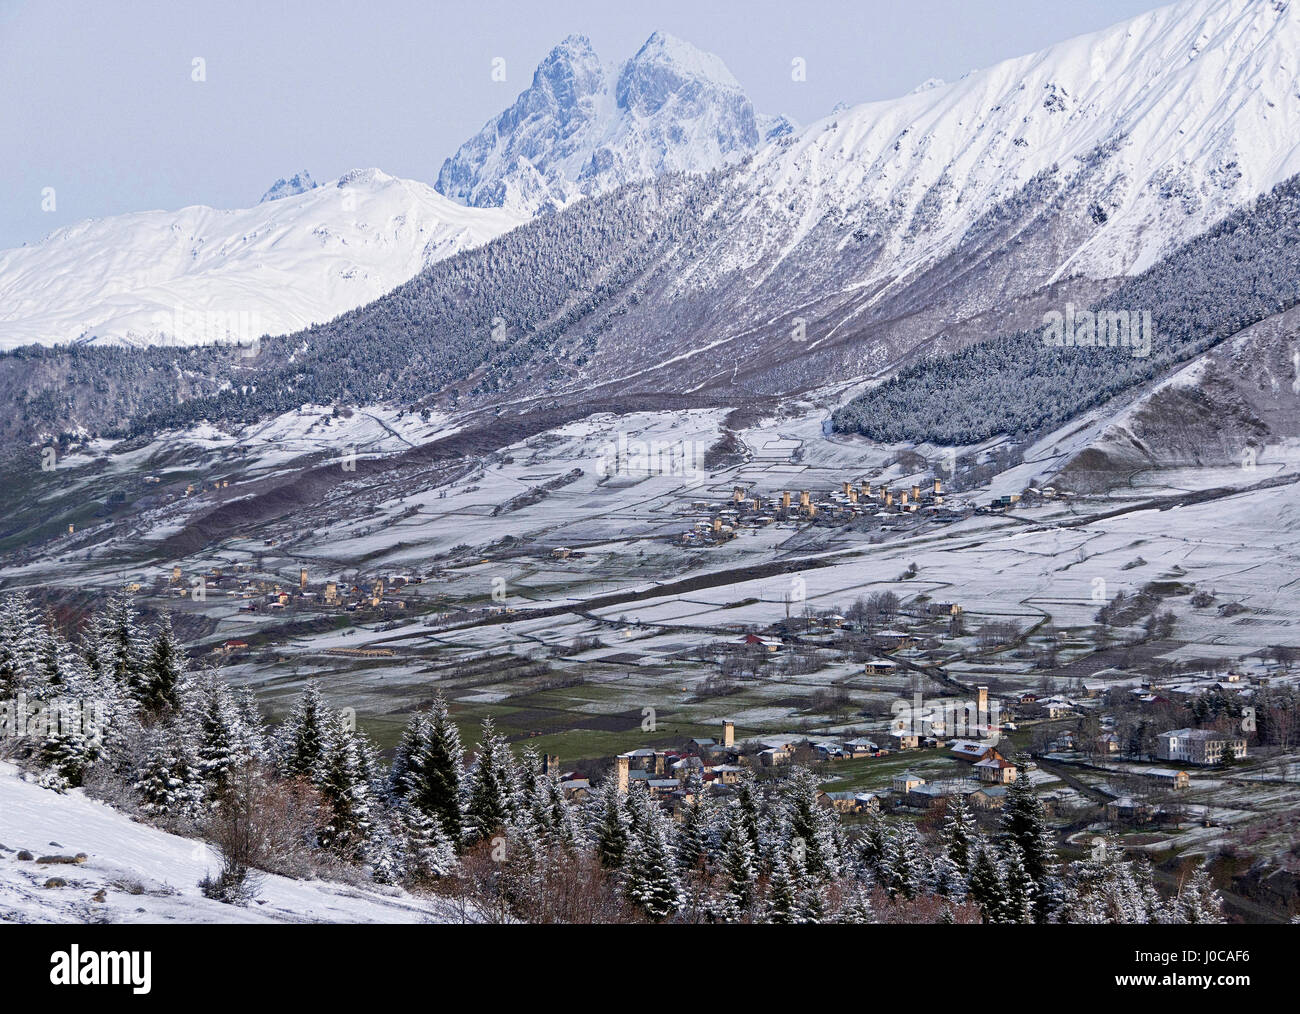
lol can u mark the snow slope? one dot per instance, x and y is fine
(1190, 111)
(150, 876)
(585, 127)
(305, 254)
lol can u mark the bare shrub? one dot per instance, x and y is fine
(261, 824)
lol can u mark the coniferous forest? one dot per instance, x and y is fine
(1244, 270)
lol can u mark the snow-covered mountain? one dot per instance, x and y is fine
(882, 233)
(304, 254)
(585, 127)
(1178, 116)
(957, 212)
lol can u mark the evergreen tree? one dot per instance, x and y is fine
(811, 824)
(986, 885)
(812, 898)
(120, 646)
(1024, 824)
(57, 666)
(553, 814)
(250, 734)
(66, 751)
(872, 845)
(492, 786)
(345, 792)
(1149, 908)
(692, 849)
(1019, 888)
(959, 833)
(430, 854)
(524, 873)
(857, 909)
(611, 831)
(530, 770)
(406, 777)
(18, 644)
(948, 880)
(650, 875)
(219, 746)
(170, 783)
(1198, 901)
(782, 891)
(744, 806)
(739, 871)
(444, 771)
(160, 680)
(304, 737)
(904, 868)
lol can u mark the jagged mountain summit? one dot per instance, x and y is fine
(298, 183)
(305, 253)
(585, 127)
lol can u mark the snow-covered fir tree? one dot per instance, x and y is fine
(739, 871)
(345, 791)
(160, 680)
(610, 826)
(169, 783)
(492, 785)
(303, 738)
(959, 833)
(649, 869)
(18, 643)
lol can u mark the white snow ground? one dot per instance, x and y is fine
(150, 876)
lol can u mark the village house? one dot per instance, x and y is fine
(661, 787)
(997, 770)
(895, 640)
(905, 740)
(923, 797)
(1058, 707)
(905, 782)
(1199, 746)
(754, 641)
(684, 767)
(1170, 777)
(843, 802)
(645, 759)
(576, 790)
(774, 756)
(725, 774)
(1127, 809)
(990, 797)
(972, 750)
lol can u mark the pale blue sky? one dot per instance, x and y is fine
(98, 100)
